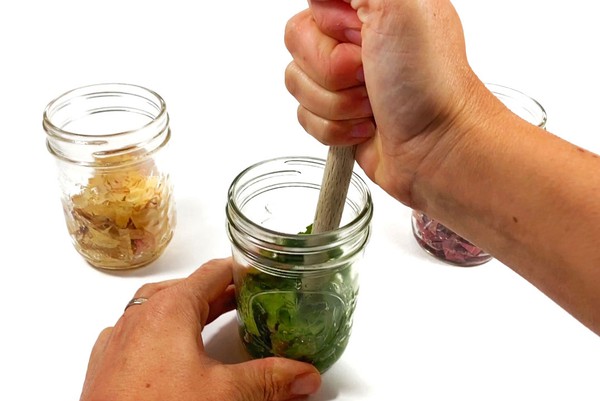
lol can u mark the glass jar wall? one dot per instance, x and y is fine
(109, 141)
(296, 292)
(443, 243)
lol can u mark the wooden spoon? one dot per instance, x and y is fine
(334, 188)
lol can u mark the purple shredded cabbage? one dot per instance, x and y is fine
(445, 244)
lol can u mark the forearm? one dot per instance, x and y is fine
(530, 199)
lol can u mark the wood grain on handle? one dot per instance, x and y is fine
(334, 188)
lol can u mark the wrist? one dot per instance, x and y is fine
(451, 172)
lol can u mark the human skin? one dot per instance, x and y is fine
(392, 76)
(155, 350)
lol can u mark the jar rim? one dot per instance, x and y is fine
(114, 119)
(304, 159)
(536, 114)
(248, 231)
(99, 89)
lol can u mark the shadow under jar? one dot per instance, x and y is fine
(109, 142)
(443, 243)
(296, 292)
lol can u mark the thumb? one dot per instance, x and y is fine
(275, 379)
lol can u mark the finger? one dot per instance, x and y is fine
(332, 132)
(351, 103)
(178, 312)
(149, 289)
(100, 344)
(208, 286)
(331, 64)
(183, 303)
(96, 355)
(337, 19)
(273, 379)
(222, 304)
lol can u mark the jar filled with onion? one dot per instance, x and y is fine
(109, 142)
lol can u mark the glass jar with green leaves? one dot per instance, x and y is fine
(296, 291)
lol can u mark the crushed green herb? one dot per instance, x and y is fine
(279, 318)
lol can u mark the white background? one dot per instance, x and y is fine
(423, 330)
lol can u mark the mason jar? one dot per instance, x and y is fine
(443, 243)
(109, 142)
(296, 292)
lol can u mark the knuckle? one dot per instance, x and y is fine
(289, 33)
(293, 29)
(334, 132)
(255, 384)
(106, 332)
(312, 127)
(146, 289)
(231, 388)
(104, 335)
(272, 388)
(213, 264)
(291, 78)
(336, 107)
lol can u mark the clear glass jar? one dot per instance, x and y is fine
(296, 292)
(108, 141)
(441, 242)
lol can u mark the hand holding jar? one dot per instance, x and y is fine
(155, 350)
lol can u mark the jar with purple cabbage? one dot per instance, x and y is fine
(443, 243)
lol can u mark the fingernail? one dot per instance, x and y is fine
(304, 384)
(353, 36)
(363, 130)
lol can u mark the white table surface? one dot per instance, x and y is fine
(423, 330)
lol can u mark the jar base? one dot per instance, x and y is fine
(440, 255)
(256, 351)
(444, 244)
(119, 265)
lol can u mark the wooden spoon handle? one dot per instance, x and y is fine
(334, 188)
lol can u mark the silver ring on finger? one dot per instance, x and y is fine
(135, 301)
